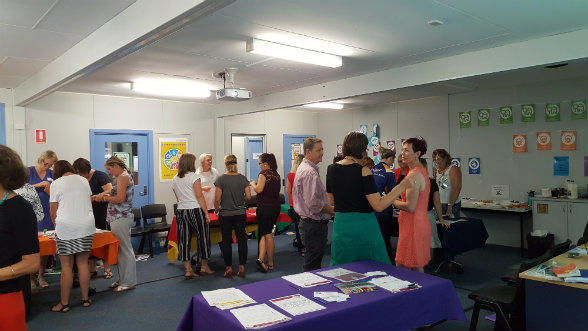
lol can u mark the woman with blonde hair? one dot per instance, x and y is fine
(208, 176)
(293, 214)
(120, 216)
(232, 189)
(191, 215)
(41, 177)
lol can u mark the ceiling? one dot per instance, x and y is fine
(35, 32)
(375, 35)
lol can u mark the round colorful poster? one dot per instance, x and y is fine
(171, 159)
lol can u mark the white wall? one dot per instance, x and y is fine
(238, 149)
(68, 117)
(14, 123)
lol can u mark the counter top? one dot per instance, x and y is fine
(539, 198)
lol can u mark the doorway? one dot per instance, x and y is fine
(292, 147)
(135, 148)
(247, 148)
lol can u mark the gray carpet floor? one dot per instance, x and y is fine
(161, 298)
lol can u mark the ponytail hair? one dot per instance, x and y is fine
(115, 160)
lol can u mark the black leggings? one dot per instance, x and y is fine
(227, 224)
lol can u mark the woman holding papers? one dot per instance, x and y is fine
(352, 190)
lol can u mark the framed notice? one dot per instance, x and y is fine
(170, 151)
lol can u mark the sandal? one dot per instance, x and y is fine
(190, 275)
(121, 288)
(108, 274)
(86, 303)
(113, 285)
(270, 267)
(228, 273)
(42, 282)
(261, 266)
(207, 271)
(241, 273)
(63, 309)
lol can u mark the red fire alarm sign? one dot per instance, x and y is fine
(41, 136)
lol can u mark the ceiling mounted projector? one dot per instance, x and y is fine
(231, 93)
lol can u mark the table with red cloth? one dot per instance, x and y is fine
(104, 246)
(215, 233)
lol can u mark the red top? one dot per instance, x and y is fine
(290, 178)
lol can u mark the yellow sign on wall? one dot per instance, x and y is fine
(170, 150)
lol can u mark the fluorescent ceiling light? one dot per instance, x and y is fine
(292, 53)
(310, 43)
(325, 105)
(171, 88)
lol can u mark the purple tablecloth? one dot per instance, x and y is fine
(378, 310)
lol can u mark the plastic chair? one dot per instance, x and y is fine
(153, 212)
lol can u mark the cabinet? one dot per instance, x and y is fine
(564, 218)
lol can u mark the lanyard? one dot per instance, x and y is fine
(5, 196)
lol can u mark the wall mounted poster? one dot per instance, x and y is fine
(391, 144)
(500, 192)
(363, 129)
(483, 117)
(552, 112)
(519, 143)
(339, 150)
(561, 165)
(506, 115)
(170, 150)
(474, 165)
(465, 119)
(579, 111)
(568, 140)
(456, 162)
(543, 141)
(528, 113)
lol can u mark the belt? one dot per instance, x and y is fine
(315, 221)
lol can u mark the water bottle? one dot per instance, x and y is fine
(157, 248)
(530, 195)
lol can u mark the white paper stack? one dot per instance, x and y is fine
(306, 279)
(391, 283)
(331, 296)
(342, 275)
(258, 316)
(296, 304)
(227, 298)
(375, 273)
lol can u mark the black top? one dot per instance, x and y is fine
(270, 196)
(18, 237)
(349, 188)
(434, 188)
(98, 180)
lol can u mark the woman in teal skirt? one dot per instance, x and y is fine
(353, 192)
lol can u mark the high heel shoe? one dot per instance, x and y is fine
(241, 273)
(261, 266)
(190, 275)
(228, 273)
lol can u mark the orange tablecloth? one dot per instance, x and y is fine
(104, 246)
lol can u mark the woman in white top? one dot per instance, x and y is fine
(448, 179)
(71, 212)
(208, 176)
(190, 216)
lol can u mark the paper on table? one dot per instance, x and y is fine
(375, 273)
(332, 296)
(342, 275)
(306, 279)
(258, 316)
(227, 298)
(296, 304)
(391, 283)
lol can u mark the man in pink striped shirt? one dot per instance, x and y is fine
(311, 203)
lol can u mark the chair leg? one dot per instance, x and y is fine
(166, 241)
(141, 245)
(150, 236)
(475, 314)
(501, 320)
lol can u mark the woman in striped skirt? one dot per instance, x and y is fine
(191, 215)
(71, 212)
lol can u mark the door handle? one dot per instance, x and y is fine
(564, 208)
(571, 208)
(144, 191)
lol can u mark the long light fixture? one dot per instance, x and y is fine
(171, 88)
(267, 48)
(325, 105)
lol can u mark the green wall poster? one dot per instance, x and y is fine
(483, 117)
(579, 110)
(528, 113)
(465, 119)
(506, 115)
(552, 112)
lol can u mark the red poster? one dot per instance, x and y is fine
(543, 141)
(568, 140)
(519, 143)
(41, 136)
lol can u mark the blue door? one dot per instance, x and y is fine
(292, 147)
(134, 147)
(254, 147)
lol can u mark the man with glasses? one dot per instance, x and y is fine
(311, 203)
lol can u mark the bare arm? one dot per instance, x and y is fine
(331, 199)
(53, 206)
(28, 264)
(259, 185)
(248, 193)
(438, 210)
(288, 187)
(122, 182)
(412, 194)
(378, 202)
(200, 198)
(217, 199)
(455, 179)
